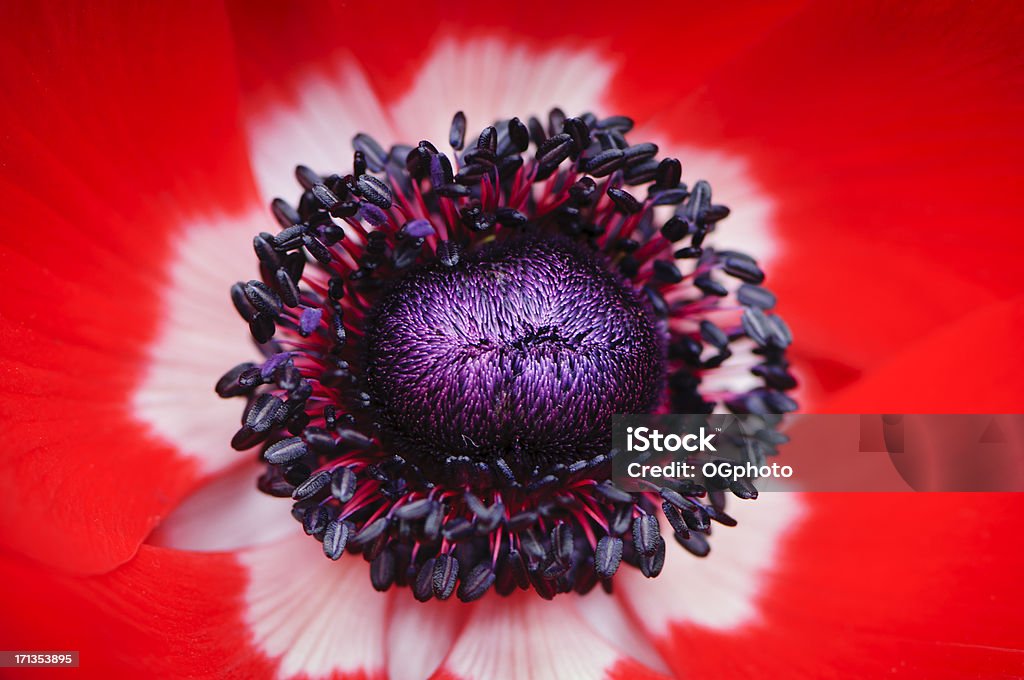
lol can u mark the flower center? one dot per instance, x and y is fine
(519, 352)
(446, 338)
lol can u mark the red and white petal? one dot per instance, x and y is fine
(491, 78)
(312, 118)
(95, 197)
(315, 617)
(309, 113)
(651, 43)
(750, 225)
(859, 584)
(525, 637)
(311, 121)
(200, 337)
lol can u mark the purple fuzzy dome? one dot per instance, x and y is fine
(519, 351)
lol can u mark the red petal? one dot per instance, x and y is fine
(119, 128)
(916, 585)
(974, 366)
(645, 36)
(890, 139)
(164, 614)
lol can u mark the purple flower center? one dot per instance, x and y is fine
(520, 351)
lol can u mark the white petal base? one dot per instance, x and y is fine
(227, 513)
(527, 638)
(317, 617)
(489, 79)
(201, 337)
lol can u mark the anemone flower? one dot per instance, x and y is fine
(529, 205)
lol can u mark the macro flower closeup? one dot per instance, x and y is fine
(315, 317)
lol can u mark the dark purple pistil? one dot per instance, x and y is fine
(521, 351)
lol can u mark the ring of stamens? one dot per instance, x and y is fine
(365, 267)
